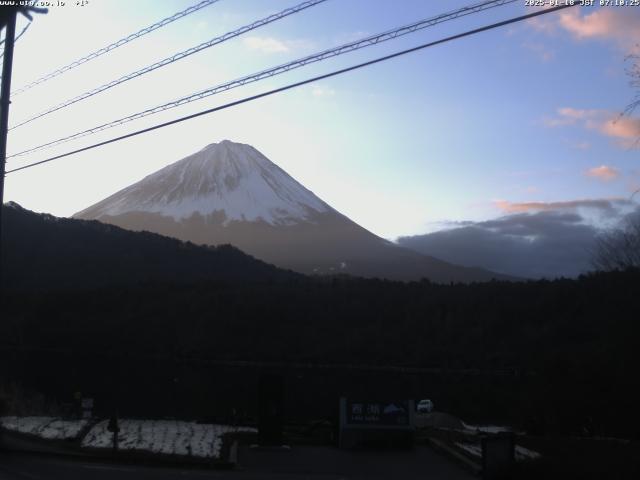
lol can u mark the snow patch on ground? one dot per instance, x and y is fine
(487, 428)
(525, 454)
(170, 437)
(472, 448)
(475, 450)
(50, 428)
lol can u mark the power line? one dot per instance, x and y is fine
(301, 83)
(26, 27)
(316, 57)
(176, 57)
(114, 45)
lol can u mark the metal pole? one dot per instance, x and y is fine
(4, 115)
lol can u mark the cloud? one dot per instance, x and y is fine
(533, 239)
(557, 122)
(543, 244)
(623, 128)
(619, 25)
(603, 205)
(576, 114)
(570, 116)
(541, 50)
(322, 91)
(265, 44)
(549, 243)
(626, 129)
(581, 145)
(542, 24)
(546, 23)
(603, 173)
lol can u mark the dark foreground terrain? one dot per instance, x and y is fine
(152, 327)
(313, 463)
(563, 458)
(586, 458)
(548, 356)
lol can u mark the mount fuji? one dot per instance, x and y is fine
(230, 193)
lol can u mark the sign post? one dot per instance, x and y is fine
(374, 421)
(87, 407)
(114, 428)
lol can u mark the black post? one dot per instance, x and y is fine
(4, 115)
(114, 427)
(271, 409)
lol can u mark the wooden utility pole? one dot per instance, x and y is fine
(8, 14)
(5, 92)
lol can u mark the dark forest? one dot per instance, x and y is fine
(549, 356)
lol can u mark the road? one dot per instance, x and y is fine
(310, 463)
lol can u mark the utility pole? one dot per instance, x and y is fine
(7, 64)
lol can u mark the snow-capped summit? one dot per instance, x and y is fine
(227, 178)
(230, 193)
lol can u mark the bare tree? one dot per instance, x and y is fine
(619, 249)
(634, 80)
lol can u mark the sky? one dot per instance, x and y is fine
(517, 125)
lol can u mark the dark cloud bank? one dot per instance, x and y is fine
(544, 244)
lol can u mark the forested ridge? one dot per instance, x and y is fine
(571, 343)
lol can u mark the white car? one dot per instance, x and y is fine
(424, 406)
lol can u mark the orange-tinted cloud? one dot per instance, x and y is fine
(570, 116)
(603, 172)
(624, 128)
(522, 207)
(621, 25)
(576, 114)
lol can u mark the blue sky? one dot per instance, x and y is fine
(514, 120)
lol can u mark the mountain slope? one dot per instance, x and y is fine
(46, 252)
(226, 178)
(231, 193)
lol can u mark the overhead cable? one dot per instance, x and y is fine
(298, 84)
(114, 45)
(175, 58)
(316, 57)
